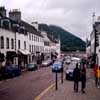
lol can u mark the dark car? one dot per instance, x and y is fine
(12, 71)
(32, 66)
(69, 72)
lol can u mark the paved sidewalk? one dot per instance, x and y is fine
(65, 91)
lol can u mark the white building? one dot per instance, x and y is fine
(19, 40)
(95, 41)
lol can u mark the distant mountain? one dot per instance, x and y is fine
(69, 42)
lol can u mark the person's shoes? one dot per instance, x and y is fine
(83, 91)
(76, 90)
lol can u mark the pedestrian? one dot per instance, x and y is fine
(95, 74)
(98, 75)
(83, 78)
(76, 76)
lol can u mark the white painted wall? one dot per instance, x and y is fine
(38, 41)
(7, 34)
(22, 38)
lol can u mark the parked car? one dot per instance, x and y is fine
(32, 66)
(75, 60)
(67, 60)
(47, 63)
(12, 71)
(69, 72)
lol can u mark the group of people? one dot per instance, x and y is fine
(79, 74)
(97, 75)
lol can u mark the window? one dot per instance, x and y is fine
(7, 43)
(29, 36)
(6, 24)
(2, 42)
(32, 37)
(12, 43)
(30, 48)
(36, 38)
(18, 44)
(24, 44)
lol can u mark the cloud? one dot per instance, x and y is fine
(72, 15)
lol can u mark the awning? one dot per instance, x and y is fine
(24, 52)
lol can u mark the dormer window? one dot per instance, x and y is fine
(6, 24)
(22, 30)
(15, 27)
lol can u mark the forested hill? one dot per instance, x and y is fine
(69, 42)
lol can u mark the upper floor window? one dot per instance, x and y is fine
(24, 44)
(18, 44)
(2, 42)
(29, 36)
(6, 24)
(7, 43)
(32, 37)
(12, 43)
(30, 48)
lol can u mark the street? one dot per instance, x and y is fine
(31, 84)
(27, 86)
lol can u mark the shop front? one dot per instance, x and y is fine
(23, 58)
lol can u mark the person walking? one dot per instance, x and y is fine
(95, 74)
(76, 76)
(83, 78)
(98, 75)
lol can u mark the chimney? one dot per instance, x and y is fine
(3, 11)
(15, 15)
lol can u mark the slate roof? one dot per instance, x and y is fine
(51, 38)
(27, 26)
(30, 28)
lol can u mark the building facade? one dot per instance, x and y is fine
(19, 40)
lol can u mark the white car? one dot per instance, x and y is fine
(75, 60)
(68, 61)
(47, 62)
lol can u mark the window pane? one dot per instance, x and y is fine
(2, 42)
(7, 43)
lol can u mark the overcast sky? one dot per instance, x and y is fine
(73, 15)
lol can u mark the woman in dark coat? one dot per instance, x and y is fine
(76, 76)
(83, 78)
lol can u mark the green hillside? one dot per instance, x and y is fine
(69, 42)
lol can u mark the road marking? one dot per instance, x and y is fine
(45, 91)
